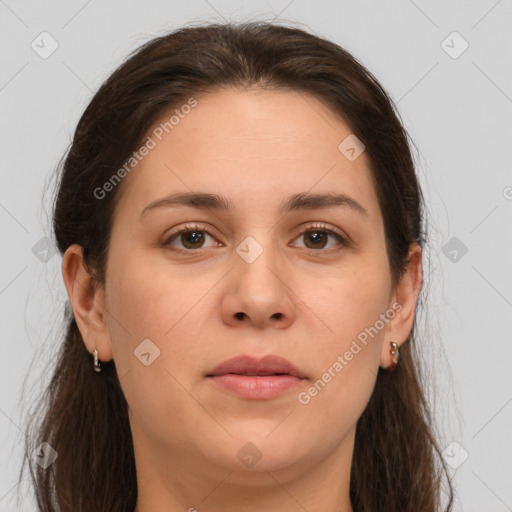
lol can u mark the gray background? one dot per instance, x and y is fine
(457, 108)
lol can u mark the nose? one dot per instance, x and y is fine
(257, 292)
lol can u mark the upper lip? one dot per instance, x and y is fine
(249, 365)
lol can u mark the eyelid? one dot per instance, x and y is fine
(309, 226)
(343, 239)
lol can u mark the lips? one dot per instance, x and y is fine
(250, 378)
(251, 366)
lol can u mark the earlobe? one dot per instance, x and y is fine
(406, 296)
(87, 300)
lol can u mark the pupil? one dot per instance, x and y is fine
(316, 236)
(193, 237)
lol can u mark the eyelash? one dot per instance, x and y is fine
(311, 228)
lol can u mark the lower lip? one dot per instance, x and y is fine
(256, 387)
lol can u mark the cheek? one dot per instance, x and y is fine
(354, 303)
(155, 340)
(349, 355)
(148, 303)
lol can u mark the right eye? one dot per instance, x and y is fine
(191, 237)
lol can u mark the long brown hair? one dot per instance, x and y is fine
(397, 465)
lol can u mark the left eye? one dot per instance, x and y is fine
(193, 238)
(319, 236)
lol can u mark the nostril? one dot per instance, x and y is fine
(240, 315)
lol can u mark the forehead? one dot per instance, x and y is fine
(252, 145)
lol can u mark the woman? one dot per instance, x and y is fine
(241, 231)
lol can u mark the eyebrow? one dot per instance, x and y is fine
(296, 202)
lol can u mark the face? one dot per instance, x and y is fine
(190, 285)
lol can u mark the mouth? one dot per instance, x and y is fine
(252, 367)
(252, 378)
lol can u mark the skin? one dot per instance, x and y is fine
(256, 148)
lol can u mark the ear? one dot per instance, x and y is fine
(87, 299)
(404, 299)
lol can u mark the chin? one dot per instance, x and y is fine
(259, 452)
